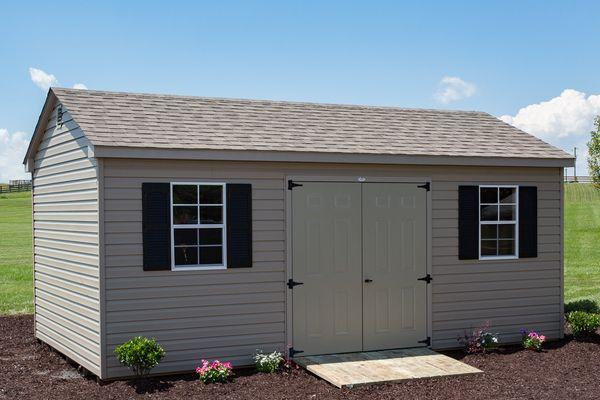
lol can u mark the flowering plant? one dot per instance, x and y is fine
(479, 340)
(268, 362)
(532, 340)
(215, 371)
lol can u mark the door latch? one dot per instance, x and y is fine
(291, 283)
(368, 280)
(427, 278)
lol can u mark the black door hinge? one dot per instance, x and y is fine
(426, 186)
(294, 352)
(427, 278)
(291, 283)
(426, 342)
(292, 185)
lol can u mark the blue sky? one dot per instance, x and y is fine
(497, 57)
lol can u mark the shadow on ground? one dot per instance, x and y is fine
(150, 385)
(586, 305)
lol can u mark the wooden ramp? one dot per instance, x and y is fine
(352, 369)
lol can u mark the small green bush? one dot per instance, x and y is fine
(583, 323)
(140, 354)
(268, 363)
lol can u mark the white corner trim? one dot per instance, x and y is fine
(89, 151)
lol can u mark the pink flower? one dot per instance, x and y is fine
(542, 338)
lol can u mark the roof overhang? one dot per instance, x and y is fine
(324, 157)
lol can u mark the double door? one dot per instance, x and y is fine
(359, 250)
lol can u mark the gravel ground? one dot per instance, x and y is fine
(565, 370)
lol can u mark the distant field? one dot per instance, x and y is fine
(582, 248)
(582, 242)
(16, 276)
(581, 193)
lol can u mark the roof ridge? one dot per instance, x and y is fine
(286, 102)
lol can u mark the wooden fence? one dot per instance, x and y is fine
(578, 179)
(16, 186)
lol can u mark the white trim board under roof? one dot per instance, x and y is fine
(182, 127)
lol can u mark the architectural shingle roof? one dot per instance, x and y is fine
(131, 120)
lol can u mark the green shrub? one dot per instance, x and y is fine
(583, 323)
(268, 362)
(140, 354)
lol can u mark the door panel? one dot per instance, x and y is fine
(394, 257)
(327, 258)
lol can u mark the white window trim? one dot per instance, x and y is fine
(223, 227)
(515, 222)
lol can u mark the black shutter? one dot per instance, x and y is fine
(156, 226)
(468, 222)
(239, 225)
(528, 221)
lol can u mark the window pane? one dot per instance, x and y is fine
(506, 231)
(489, 195)
(211, 215)
(506, 247)
(489, 213)
(507, 213)
(186, 236)
(489, 247)
(186, 255)
(508, 195)
(211, 255)
(185, 215)
(185, 194)
(489, 231)
(210, 194)
(211, 236)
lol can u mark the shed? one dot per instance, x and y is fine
(223, 226)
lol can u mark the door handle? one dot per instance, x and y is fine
(368, 280)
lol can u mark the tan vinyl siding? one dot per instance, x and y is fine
(66, 248)
(194, 314)
(230, 313)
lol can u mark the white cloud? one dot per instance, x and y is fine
(79, 86)
(12, 151)
(42, 79)
(452, 88)
(564, 121)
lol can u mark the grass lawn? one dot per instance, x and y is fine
(16, 275)
(582, 248)
(582, 242)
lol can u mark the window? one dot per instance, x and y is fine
(498, 222)
(198, 226)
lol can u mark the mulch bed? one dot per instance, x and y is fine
(565, 370)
